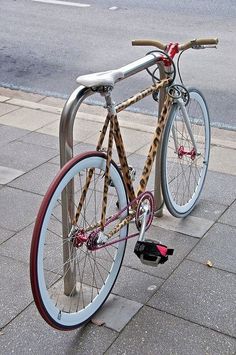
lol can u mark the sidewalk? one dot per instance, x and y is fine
(181, 307)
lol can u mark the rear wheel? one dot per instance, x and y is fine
(71, 281)
(183, 168)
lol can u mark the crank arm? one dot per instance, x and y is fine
(144, 223)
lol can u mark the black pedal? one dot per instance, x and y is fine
(151, 252)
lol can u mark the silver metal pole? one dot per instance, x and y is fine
(67, 122)
(66, 153)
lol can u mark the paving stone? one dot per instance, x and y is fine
(87, 116)
(8, 134)
(6, 108)
(126, 119)
(8, 174)
(200, 294)
(223, 160)
(91, 108)
(136, 119)
(26, 118)
(181, 244)
(29, 334)
(136, 160)
(132, 139)
(3, 98)
(136, 285)
(20, 94)
(55, 161)
(41, 139)
(24, 156)
(18, 208)
(116, 312)
(15, 291)
(143, 151)
(193, 226)
(154, 332)
(53, 101)
(82, 129)
(208, 209)
(219, 188)
(50, 129)
(18, 246)
(82, 147)
(229, 217)
(218, 246)
(35, 105)
(36, 180)
(223, 137)
(78, 148)
(4, 235)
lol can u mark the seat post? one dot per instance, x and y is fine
(110, 104)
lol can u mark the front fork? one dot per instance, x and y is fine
(188, 126)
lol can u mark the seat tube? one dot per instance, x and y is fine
(158, 199)
(110, 105)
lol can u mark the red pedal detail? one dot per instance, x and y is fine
(162, 249)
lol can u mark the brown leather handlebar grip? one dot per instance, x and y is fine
(198, 42)
(148, 42)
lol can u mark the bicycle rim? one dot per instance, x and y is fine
(68, 291)
(183, 174)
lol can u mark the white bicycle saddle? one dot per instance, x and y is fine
(107, 78)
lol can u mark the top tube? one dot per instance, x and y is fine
(139, 65)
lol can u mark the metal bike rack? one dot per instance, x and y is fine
(66, 153)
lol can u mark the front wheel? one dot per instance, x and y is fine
(183, 165)
(70, 280)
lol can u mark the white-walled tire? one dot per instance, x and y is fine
(183, 175)
(95, 272)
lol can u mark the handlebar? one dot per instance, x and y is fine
(191, 44)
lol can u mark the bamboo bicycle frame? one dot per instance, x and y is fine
(114, 133)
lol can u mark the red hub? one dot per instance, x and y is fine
(182, 152)
(79, 239)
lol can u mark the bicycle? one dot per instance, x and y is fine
(78, 245)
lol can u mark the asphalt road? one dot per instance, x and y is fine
(44, 47)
